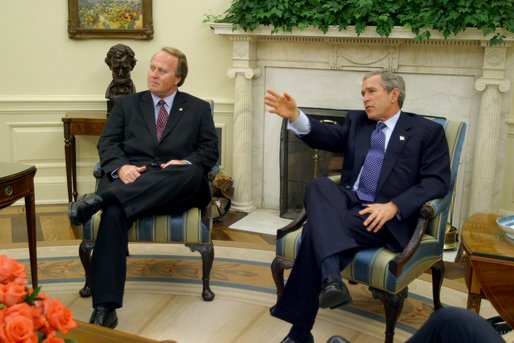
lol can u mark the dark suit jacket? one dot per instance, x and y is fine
(130, 134)
(416, 166)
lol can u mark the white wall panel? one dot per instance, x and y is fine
(31, 132)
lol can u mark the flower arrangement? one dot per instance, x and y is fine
(26, 315)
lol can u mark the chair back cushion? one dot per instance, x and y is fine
(187, 227)
(455, 132)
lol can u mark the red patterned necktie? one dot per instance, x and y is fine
(372, 165)
(162, 119)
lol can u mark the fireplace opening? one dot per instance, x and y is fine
(299, 164)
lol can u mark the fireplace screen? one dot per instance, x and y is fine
(299, 163)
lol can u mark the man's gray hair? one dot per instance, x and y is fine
(390, 81)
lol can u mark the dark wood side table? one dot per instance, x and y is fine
(16, 182)
(75, 124)
(489, 261)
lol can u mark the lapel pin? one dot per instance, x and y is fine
(180, 109)
(402, 138)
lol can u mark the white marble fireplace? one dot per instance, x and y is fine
(461, 78)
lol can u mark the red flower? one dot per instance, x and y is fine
(12, 293)
(27, 316)
(18, 324)
(11, 271)
(58, 315)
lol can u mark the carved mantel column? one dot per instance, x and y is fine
(491, 84)
(243, 70)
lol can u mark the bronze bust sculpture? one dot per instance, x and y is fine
(121, 60)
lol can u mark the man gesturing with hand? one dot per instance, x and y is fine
(394, 161)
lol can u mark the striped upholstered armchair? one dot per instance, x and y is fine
(387, 273)
(192, 228)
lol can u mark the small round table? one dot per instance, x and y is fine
(489, 265)
(16, 182)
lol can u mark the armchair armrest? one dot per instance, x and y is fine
(301, 218)
(429, 210)
(294, 225)
(98, 172)
(213, 172)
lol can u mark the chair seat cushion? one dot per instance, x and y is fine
(288, 246)
(371, 266)
(180, 228)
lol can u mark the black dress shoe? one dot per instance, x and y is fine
(81, 210)
(337, 339)
(104, 316)
(290, 340)
(334, 293)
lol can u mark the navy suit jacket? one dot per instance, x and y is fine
(130, 133)
(416, 165)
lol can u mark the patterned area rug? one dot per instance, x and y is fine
(242, 274)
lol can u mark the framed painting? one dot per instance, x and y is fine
(131, 19)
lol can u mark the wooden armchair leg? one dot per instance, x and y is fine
(393, 304)
(207, 253)
(277, 271)
(438, 271)
(85, 249)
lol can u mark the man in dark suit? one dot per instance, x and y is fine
(152, 165)
(394, 162)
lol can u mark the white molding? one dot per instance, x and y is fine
(397, 33)
(42, 98)
(37, 115)
(50, 104)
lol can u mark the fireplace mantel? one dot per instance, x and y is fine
(397, 33)
(462, 78)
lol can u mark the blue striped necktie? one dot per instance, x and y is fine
(372, 166)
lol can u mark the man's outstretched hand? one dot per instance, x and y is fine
(283, 105)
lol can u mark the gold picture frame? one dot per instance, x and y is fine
(131, 19)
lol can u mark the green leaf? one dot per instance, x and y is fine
(32, 298)
(446, 16)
